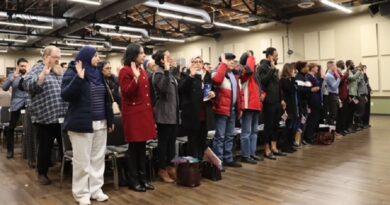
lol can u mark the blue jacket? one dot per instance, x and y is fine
(77, 92)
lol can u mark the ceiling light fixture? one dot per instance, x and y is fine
(14, 40)
(167, 39)
(3, 50)
(25, 25)
(231, 26)
(305, 4)
(175, 16)
(82, 45)
(91, 2)
(144, 32)
(67, 54)
(120, 34)
(118, 47)
(337, 6)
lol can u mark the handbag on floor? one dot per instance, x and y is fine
(326, 135)
(188, 172)
(210, 171)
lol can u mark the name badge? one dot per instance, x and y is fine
(61, 120)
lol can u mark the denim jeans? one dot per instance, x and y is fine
(224, 136)
(250, 121)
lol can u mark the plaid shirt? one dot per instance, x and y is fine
(46, 104)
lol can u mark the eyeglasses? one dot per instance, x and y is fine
(197, 61)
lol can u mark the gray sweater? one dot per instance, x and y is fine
(353, 82)
(166, 108)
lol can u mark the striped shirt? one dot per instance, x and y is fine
(98, 93)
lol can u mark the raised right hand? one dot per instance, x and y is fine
(135, 70)
(80, 70)
(167, 64)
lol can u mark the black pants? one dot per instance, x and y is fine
(333, 101)
(312, 123)
(351, 111)
(11, 129)
(325, 109)
(197, 141)
(46, 133)
(136, 158)
(342, 117)
(367, 111)
(166, 144)
(271, 116)
(359, 111)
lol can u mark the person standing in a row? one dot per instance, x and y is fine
(166, 111)
(227, 109)
(43, 83)
(272, 103)
(137, 115)
(87, 121)
(18, 102)
(196, 94)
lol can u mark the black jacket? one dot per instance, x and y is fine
(269, 82)
(303, 93)
(191, 102)
(289, 93)
(113, 84)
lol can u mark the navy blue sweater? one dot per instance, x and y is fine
(77, 92)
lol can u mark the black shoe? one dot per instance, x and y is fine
(44, 180)
(10, 154)
(257, 158)
(137, 187)
(279, 153)
(290, 150)
(232, 164)
(248, 160)
(270, 156)
(147, 185)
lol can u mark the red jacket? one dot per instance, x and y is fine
(250, 89)
(222, 105)
(137, 109)
(343, 87)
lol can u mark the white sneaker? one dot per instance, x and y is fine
(84, 202)
(100, 197)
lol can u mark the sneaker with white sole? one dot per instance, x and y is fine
(100, 197)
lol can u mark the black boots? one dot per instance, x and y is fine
(144, 182)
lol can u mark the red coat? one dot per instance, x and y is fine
(223, 102)
(137, 109)
(250, 89)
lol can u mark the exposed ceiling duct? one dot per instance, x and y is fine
(181, 9)
(78, 10)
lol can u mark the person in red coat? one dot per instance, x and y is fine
(137, 115)
(251, 107)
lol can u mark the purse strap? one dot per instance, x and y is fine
(109, 91)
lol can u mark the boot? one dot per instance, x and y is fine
(133, 181)
(165, 176)
(298, 139)
(172, 172)
(144, 182)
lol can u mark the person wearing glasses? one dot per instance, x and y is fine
(195, 102)
(43, 83)
(111, 80)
